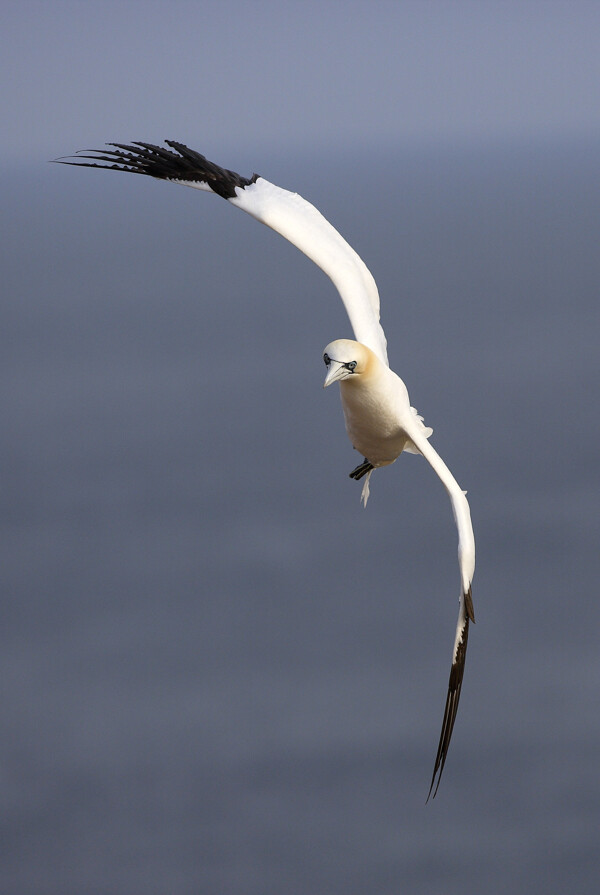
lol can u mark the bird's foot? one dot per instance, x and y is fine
(361, 470)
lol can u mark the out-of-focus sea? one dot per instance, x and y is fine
(219, 674)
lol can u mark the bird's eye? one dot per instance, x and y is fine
(351, 366)
(327, 359)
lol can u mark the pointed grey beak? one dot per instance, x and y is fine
(335, 372)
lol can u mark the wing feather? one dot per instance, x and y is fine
(285, 212)
(466, 561)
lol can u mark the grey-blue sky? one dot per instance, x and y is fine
(321, 74)
(219, 673)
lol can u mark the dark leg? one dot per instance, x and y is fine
(361, 470)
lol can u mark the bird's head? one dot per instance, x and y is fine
(345, 359)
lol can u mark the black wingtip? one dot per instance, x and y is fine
(451, 708)
(178, 162)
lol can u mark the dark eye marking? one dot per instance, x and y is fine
(327, 359)
(351, 366)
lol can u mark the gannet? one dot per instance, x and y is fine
(380, 421)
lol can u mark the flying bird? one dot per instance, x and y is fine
(380, 421)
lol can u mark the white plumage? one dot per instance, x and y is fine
(379, 419)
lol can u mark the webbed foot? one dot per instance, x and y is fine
(361, 470)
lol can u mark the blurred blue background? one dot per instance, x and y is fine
(219, 673)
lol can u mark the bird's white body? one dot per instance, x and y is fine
(380, 422)
(378, 414)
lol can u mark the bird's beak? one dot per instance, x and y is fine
(335, 372)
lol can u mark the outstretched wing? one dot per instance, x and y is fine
(287, 213)
(466, 561)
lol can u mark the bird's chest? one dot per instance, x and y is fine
(372, 423)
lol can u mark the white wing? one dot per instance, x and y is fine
(287, 213)
(466, 561)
